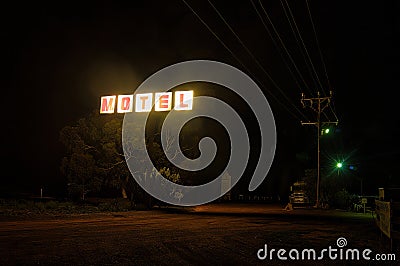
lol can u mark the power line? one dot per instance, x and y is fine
(321, 56)
(304, 46)
(282, 43)
(215, 35)
(276, 45)
(308, 56)
(333, 109)
(319, 48)
(253, 57)
(280, 40)
(240, 62)
(301, 50)
(299, 46)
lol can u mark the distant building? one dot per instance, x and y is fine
(226, 182)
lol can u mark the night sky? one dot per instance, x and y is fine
(59, 57)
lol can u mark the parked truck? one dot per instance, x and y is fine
(298, 195)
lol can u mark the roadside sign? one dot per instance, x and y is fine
(364, 201)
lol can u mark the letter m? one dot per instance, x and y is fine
(355, 254)
(107, 104)
(309, 252)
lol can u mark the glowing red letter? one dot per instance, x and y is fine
(125, 103)
(163, 101)
(107, 104)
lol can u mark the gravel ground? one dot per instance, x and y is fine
(212, 234)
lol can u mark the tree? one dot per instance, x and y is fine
(81, 179)
(95, 163)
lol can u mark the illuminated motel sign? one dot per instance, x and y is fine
(144, 102)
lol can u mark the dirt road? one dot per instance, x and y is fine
(212, 234)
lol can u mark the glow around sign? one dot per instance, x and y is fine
(144, 102)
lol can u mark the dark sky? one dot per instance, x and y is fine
(59, 57)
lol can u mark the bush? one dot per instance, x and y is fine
(115, 205)
(344, 200)
(28, 207)
(51, 205)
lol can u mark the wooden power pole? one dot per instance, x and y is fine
(318, 104)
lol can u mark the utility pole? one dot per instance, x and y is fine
(318, 104)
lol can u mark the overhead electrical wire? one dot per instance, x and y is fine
(254, 58)
(277, 47)
(300, 42)
(332, 106)
(305, 47)
(318, 46)
(282, 44)
(310, 72)
(243, 65)
(306, 55)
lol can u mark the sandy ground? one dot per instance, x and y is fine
(212, 234)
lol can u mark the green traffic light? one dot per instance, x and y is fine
(339, 165)
(327, 131)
